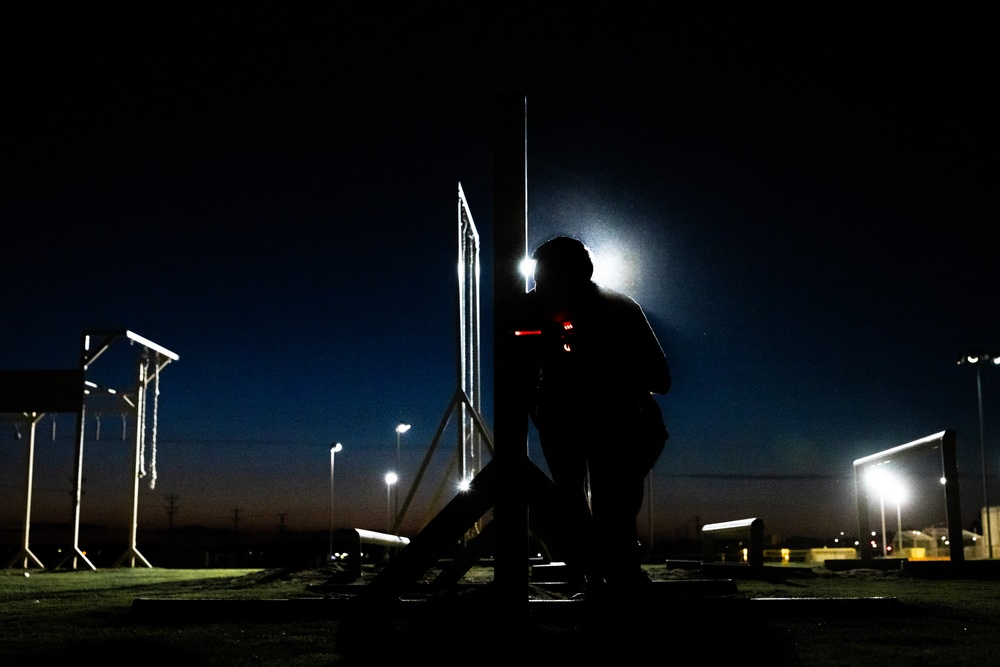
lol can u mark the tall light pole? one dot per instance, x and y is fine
(390, 479)
(401, 428)
(333, 450)
(897, 494)
(978, 359)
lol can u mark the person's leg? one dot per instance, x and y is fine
(617, 489)
(568, 468)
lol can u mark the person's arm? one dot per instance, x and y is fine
(654, 372)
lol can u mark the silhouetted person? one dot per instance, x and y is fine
(593, 363)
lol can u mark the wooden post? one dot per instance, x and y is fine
(510, 232)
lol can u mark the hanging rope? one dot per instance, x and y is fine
(141, 420)
(156, 409)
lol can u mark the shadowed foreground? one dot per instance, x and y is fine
(793, 616)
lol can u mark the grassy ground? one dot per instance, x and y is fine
(793, 616)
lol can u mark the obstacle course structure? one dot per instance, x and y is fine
(510, 484)
(939, 445)
(35, 393)
(466, 403)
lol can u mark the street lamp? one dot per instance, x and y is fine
(978, 359)
(333, 450)
(390, 479)
(401, 428)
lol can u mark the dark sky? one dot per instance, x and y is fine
(800, 202)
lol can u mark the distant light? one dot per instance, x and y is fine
(944, 480)
(402, 428)
(391, 478)
(979, 357)
(336, 448)
(527, 267)
(465, 485)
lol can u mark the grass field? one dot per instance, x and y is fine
(793, 616)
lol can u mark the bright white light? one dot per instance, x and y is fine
(464, 485)
(886, 483)
(336, 448)
(402, 428)
(610, 269)
(527, 267)
(391, 478)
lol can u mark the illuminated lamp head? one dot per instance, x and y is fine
(562, 264)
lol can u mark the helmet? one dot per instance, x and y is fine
(562, 262)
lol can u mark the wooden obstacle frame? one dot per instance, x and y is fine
(33, 393)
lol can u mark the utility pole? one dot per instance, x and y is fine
(171, 509)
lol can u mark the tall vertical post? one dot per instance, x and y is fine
(510, 232)
(863, 519)
(952, 499)
(987, 529)
(468, 368)
(132, 553)
(81, 423)
(25, 555)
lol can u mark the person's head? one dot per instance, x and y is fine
(562, 264)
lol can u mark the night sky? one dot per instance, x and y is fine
(799, 202)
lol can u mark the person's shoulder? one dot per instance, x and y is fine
(614, 297)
